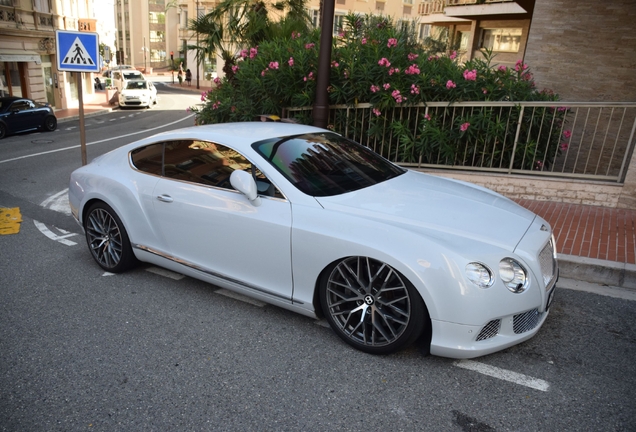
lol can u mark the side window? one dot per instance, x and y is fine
(148, 158)
(202, 162)
(21, 106)
(210, 164)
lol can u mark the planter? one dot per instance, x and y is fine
(111, 96)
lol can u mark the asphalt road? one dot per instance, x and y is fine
(81, 349)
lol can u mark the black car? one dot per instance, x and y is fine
(21, 115)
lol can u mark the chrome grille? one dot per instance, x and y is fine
(490, 330)
(525, 321)
(547, 263)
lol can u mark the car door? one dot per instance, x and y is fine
(209, 225)
(21, 116)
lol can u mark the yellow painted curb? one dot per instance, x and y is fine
(10, 219)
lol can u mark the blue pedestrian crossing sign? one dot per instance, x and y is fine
(77, 51)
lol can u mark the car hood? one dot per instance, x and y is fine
(438, 207)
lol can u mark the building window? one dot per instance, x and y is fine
(157, 36)
(157, 18)
(424, 32)
(41, 6)
(338, 22)
(379, 5)
(314, 15)
(501, 40)
(463, 41)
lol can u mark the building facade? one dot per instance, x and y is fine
(146, 33)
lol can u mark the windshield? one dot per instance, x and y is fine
(136, 85)
(131, 75)
(326, 164)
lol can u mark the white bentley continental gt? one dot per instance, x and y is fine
(307, 220)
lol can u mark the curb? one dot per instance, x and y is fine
(597, 271)
(91, 114)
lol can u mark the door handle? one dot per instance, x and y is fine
(165, 198)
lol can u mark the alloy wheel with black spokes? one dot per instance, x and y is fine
(107, 239)
(371, 306)
(50, 123)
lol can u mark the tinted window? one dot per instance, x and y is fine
(198, 162)
(326, 164)
(136, 85)
(21, 105)
(148, 159)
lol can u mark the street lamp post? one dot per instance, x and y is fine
(144, 49)
(321, 105)
(198, 50)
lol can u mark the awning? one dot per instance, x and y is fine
(9, 55)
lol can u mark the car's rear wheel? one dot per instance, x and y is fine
(3, 130)
(107, 239)
(50, 123)
(371, 306)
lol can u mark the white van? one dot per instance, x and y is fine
(119, 77)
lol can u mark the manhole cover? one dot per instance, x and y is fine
(41, 141)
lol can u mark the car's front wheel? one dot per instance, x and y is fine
(50, 123)
(371, 306)
(107, 239)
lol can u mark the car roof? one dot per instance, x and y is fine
(240, 135)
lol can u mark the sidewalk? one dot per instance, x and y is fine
(594, 244)
(94, 104)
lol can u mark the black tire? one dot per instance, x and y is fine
(371, 306)
(3, 130)
(107, 239)
(50, 123)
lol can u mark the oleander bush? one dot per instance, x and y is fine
(374, 62)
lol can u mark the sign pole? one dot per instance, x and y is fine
(80, 96)
(78, 52)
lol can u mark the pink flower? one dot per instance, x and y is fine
(363, 41)
(235, 68)
(538, 165)
(295, 35)
(216, 104)
(217, 81)
(253, 52)
(563, 109)
(450, 84)
(412, 56)
(374, 88)
(502, 68)
(386, 86)
(484, 91)
(470, 75)
(392, 42)
(520, 66)
(334, 64)
(453, 55)
(341, 34)
(243, 53)
(346, 74)
(464, 127)
(263, 72)
(415, 89)
(309, 77)
(431, 58)
(310, 45)
(384, 62)
(273, 65)
(291, 62)
(412, 70)
(376, 112)
(564, 146)
(567, 134)
(427, 117)
(397, 96)
(393, 70)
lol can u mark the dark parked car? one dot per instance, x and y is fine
(21, 115)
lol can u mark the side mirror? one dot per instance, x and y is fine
(244, 183)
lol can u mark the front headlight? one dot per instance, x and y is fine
(479, 274)
(513, 275)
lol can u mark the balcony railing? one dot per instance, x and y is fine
(574, 140)
(430, 7)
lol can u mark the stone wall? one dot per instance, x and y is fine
(558, 190)
(584, 50)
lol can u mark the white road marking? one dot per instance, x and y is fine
(240, 297)
(112, 120)
(504, 374)
(108, 274)
(165, 273)
(50, 234)
(58, 202)
(71, 128)
(97, 142)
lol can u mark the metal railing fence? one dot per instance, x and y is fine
(556, 139)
